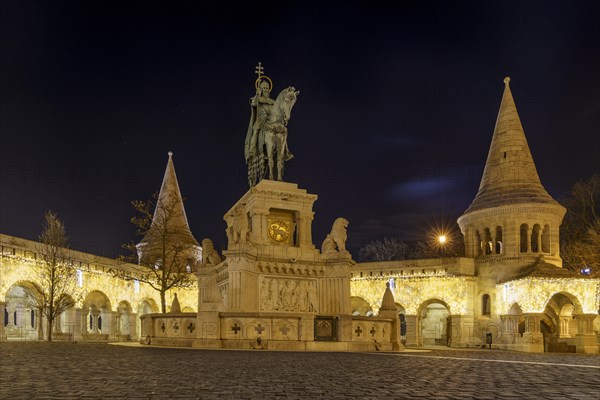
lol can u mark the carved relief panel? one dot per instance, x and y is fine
(289, 295)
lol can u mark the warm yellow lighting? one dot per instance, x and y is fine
(20, 269)
(442, 239)
(533, 294)
(412, 292)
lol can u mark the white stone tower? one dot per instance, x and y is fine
(513, 220)
(170, 219)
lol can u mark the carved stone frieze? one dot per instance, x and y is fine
(289, 295)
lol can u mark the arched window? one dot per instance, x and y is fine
(546, 239)
(523, 238)
(99, 322)
(535, 238)
(499, 239)
(489, 244)
(15, 318)
(486, 307)
(91, 319)
(5, 316)
(32, 318)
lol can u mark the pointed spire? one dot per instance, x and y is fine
(170, 195)
(388, 302)
(510, 176)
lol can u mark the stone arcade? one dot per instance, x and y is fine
(273, 289)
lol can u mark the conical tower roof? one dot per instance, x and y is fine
(169, 209)
(510, 176)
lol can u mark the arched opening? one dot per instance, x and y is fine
(434, 324)
(499, 240)
(403, 325)
(486, 306)
(360, 306)
(125, 322)
(488, 243)
(147, 306)
(524, 230)
(535, 238)
(546, 239)
(97, 316)
(66, 323)
(560, 323)
(22, 319)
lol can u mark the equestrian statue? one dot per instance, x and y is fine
(266, 138)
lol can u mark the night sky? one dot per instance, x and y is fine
(391, 129)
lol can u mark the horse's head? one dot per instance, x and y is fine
(284, 103)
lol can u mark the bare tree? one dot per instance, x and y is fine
(394, 249)
(580, 231)
(58, 278)
(167, 252)
(385, 250)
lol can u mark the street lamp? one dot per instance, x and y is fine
(442, 240)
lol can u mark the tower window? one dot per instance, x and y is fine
(498, 239)
(488, 242)
(535, 238)
(504, 154)
(523, 238)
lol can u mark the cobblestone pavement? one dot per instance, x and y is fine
(102, 371)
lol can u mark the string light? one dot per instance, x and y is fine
(17, 269)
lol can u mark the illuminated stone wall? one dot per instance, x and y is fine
(18, 265)
(532, 294)
(412, 292)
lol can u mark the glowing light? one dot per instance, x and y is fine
(19, 268)
(442, 239)
(413, 291)
(532, 294)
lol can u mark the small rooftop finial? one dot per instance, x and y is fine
(170, 154)
(506, 80)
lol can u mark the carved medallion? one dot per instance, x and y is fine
(279, 231)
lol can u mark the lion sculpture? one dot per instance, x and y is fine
(210, 256)
(335, 242)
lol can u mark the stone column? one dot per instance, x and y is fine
(510, 329)
(57, 325)
(259, 219)
(2, 308)
(78, 327)
(527, 240)
(564, 327)
(95, 314)
(411, 330)
(304, 230)
(585, 339)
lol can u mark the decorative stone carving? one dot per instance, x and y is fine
(335, 242)
(289, 295)
(238, 230)
(210, 256)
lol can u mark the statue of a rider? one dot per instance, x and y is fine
(261, 106)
